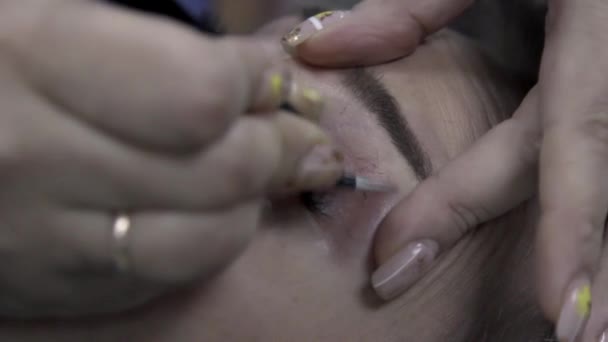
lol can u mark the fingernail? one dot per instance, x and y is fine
(313, 101)
(309, 27)
(292, 97)
(277, 86)
(575, 310)
(405, 268)
(604, 337)
(321, 167)
(306, 102)
(273, 90)
(280, 85)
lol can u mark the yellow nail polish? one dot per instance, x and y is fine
(315, 104)
(312, 95)
(575, 310)
(276, 85)
(583, 301)
(307, 102)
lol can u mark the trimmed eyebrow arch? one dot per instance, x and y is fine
(371, 93)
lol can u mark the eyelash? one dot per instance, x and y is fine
(316, 202)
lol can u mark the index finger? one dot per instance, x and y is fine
(376, 31)
(144, 79)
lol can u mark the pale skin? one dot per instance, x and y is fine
(48, 174)
(566, 145)
(306, 277)
(139, 116)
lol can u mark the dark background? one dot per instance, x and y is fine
(168, 8)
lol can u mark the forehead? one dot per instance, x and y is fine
(448, 90)
(444, 92)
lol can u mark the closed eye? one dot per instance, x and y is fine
(317, 203)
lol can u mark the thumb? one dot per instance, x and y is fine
(375, 31)
(495, 175)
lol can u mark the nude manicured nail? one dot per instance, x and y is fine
(603, 337)
(403, 269)
(321, 167)
(309, 27)
(575, 310)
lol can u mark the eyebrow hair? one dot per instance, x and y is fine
(369, 90)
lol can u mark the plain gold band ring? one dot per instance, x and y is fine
(120, 238)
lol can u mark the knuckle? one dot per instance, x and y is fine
(588, 234)
(220, 89)
(227, 75)
(205, 115)
(577, 228)
(201, 127)
(239, 176)
(399, 36)
(459, 214)
(209, 98)
(595, 127)
(238, 167)
(420, 23)
(464, 217)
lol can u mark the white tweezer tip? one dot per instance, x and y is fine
(365, 184)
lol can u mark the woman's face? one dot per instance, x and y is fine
(306, 275)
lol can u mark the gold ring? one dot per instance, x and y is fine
(120, 237)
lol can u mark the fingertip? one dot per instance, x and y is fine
(278, 89)
(575, 309)
(311, 27)
(565, 255)
(349, 43)
(373, 32)
(407, 221)
(273, 90)
(404, 268)
(414, 233)
(309, 160)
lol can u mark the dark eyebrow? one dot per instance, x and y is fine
(367, 89)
